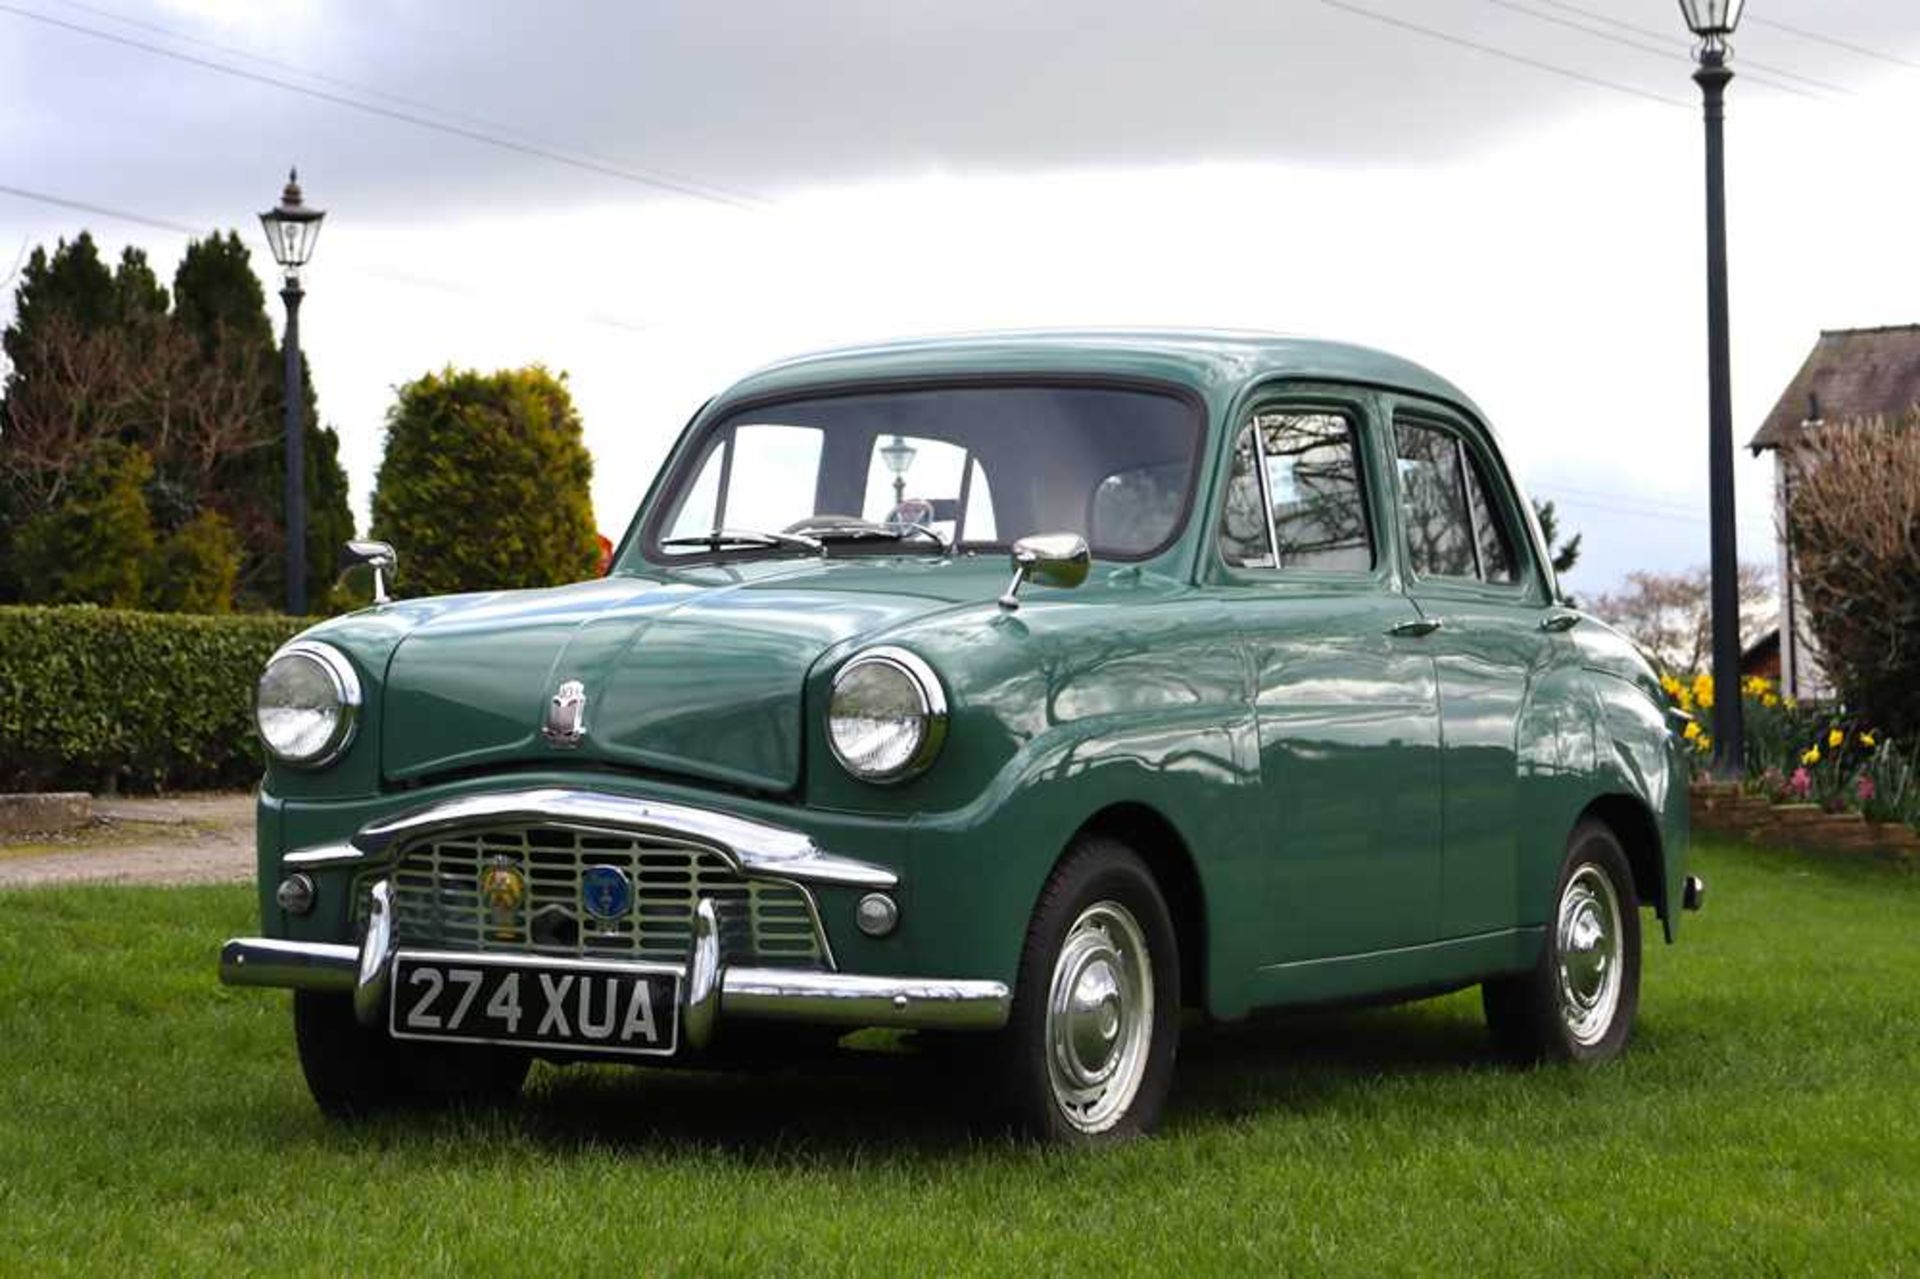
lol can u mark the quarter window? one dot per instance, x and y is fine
(1244, 531)
(1454, 527)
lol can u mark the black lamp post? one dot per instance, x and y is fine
(291, 229)
(1713, 21)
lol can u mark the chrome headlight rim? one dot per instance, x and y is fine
(933, 712)
(346, 688)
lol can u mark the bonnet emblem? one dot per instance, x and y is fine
(566, 720)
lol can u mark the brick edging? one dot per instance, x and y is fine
(1723, 808)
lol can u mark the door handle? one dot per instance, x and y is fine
(1416, 628)
(1560, 620)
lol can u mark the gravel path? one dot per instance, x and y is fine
(185, 839)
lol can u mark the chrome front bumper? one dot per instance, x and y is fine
(710, 988)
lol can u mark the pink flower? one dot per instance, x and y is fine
(1801, 783)
(1864, 788)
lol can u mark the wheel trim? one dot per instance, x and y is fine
(1588, 938)
(1099, 1017)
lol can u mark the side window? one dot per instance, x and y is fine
(1454, 527)
(980, 524)
(1243, 516)
(1313, 481)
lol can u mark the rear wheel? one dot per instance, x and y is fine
(354, 1070)
(1088, 1049)
(1578, 1002)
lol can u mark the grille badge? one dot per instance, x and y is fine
(605, 892)
(566, 719)
(503, 887)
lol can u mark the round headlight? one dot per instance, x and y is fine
(307, 704)
(887, 716)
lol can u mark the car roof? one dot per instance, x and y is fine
(1210, 361)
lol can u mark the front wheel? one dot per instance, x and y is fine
(1578, 1002)
(1089, 1045)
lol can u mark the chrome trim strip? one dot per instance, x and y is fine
(374, 971)
(1525, 930)
(305, 965)
(323, 857)
(758, 849)
(703, 976)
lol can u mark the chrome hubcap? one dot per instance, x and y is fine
(1587, 937)
(1099, 1017)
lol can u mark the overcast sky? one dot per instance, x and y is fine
(658, 197)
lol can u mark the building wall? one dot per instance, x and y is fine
(1800, 673)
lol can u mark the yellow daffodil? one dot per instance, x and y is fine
(1673, 686)
(1769, 699)
(1693, 730)
(1869, 741)
(1836, 738)
(1703, 690)
(1791, 703)
(1810, 756)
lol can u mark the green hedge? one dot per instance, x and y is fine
(106, 699)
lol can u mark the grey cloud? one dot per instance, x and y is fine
(763, 97)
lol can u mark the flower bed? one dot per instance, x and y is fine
(1815, 776)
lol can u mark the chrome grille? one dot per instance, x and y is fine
(437, 898)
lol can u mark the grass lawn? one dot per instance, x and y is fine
(1767, 1119)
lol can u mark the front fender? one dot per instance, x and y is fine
(1641, 759)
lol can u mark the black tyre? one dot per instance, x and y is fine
(354, 1070)
(1578, 1002)
(1087, 1053)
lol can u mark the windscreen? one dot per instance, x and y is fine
(977, 465)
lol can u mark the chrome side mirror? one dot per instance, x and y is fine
(1051, 559)
(378, 556)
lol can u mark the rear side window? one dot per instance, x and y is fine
(1454, 526)
(1295, 499)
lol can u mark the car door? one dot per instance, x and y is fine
(1349, 801)
(1475, 576)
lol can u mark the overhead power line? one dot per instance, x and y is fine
(1837, 43)
(659, 181)
(1685, 42)
(1435, 33)
(392, 277)
(481, 122)
(1663, 52)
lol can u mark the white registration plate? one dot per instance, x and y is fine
(579, 1005)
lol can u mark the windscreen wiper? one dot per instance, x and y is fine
(721, 538)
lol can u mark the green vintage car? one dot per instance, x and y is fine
(1276, 704)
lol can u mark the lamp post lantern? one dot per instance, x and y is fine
(292, 227)
(899, 457)
(1713, 21)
